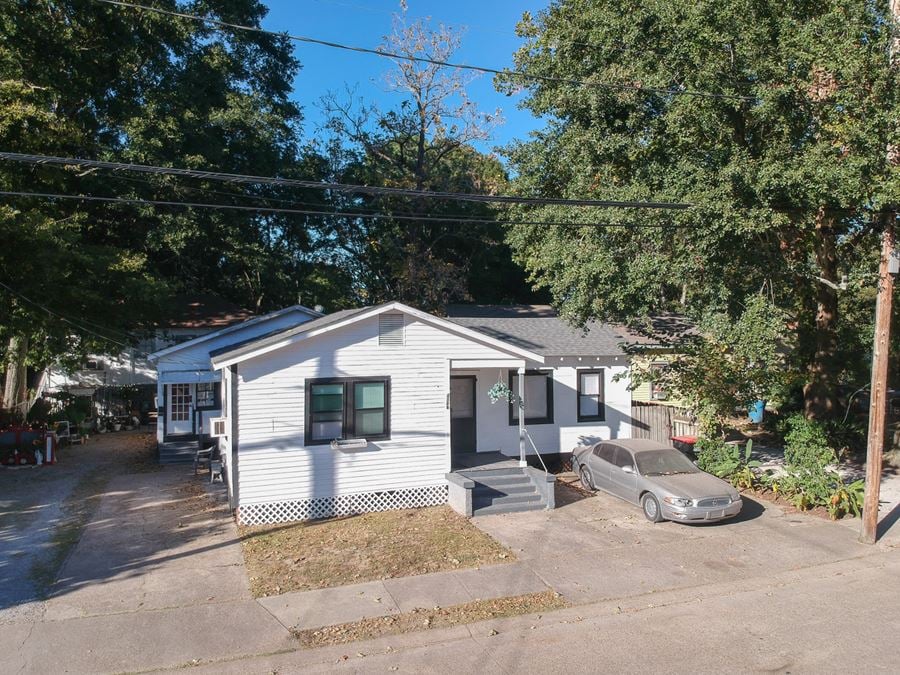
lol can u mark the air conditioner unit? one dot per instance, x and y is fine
(218, 427)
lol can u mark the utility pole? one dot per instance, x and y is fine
(878, 392)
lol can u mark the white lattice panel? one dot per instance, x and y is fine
(342, 505)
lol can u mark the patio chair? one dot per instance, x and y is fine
(203, 457)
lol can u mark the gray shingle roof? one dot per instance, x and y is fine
(540, 329)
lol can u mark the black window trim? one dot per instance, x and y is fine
(601, 417)
(216, 396)
(548, 418)
(348, 420)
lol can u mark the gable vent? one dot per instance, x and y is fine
(390, 330)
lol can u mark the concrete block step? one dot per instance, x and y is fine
(477, 474)
(507, 508)
(509, 489)
(501, 480)
(509, 500)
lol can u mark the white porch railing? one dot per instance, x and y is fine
(536, 451)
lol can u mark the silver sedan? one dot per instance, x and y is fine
(658, 478)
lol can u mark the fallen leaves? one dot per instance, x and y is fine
(439, 617)
(372, 546)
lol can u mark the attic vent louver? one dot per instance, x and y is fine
(390, 330)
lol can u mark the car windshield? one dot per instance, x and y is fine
(663, 462)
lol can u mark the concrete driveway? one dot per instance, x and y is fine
(156, 578)
(599, 548)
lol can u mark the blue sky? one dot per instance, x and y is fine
(489, 40)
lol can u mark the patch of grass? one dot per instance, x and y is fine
(78, 508)
(341, 551)
(426, 619)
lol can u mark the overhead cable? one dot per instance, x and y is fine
(438, 62)
(310, 212)
(336, 187)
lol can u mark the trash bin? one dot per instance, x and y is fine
(756, 412)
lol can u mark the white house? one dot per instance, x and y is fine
(388, 407)
(188, 390)
(187, 318)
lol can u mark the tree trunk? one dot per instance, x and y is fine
(819, 394)
(14, 384)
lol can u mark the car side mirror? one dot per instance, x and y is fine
(628, 469)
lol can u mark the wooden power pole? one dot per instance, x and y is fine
(878, 392)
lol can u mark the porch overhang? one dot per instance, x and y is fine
(475, 364)
(188, 376)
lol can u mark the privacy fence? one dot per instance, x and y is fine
(659, 422)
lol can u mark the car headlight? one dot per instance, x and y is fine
(678, 501)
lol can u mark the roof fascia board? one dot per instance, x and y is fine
(225, 360)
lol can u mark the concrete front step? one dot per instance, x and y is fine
(507, 508)
(507, 489)
(479, 501)
(501, 490)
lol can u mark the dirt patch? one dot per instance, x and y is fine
(570, 490)
(426, 619)
(371, 546)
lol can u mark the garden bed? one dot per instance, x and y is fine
(340, 551)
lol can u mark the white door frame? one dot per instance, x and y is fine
(180, 401)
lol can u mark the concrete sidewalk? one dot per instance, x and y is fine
(328, 606)
(825, 619)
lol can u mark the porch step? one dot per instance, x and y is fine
(503, 490)
(482, 489)
(479, 503)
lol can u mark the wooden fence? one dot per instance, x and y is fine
(660, 422)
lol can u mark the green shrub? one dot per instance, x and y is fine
(806, 444)
(727, 461)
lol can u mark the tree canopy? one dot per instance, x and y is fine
(784, 160)
(82, 79)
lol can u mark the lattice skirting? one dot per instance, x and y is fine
(342, 505)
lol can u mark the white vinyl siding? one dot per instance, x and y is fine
(275, 465)
(566, 432)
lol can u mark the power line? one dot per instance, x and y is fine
(336, 187)
(437, 62)
(66, 319)
(129, 347)
(309, 212)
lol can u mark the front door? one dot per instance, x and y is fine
(462, 414)
(180, 412)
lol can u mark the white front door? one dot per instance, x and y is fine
(180, 412)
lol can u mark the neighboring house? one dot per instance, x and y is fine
(188, 390)
(189, 317)
(375, 408)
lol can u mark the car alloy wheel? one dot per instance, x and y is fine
(651, 508)
(586, 482)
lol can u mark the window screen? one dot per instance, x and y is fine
(591, 406)
(538, 397)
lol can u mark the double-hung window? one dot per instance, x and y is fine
(591, 407)
(344, 408)
(208, 394)
(538, 397)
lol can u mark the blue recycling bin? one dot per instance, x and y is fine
(756, 412)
